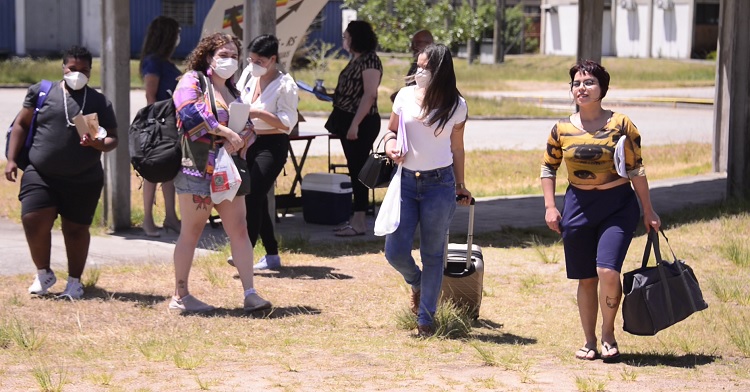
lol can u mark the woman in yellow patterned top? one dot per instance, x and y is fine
(600, 212)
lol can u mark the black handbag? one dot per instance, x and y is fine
(378, 169)
(658, 297)
(339, 121)
(242, 167)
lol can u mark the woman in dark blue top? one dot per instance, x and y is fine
(159, 75)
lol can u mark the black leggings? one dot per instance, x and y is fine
(266, 157)
(356, 152)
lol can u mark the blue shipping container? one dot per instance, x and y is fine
(329, 29)
(7, 27)
(142, 12)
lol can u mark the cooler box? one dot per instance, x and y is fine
(326, 198)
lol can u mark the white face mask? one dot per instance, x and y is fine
(225, 68)
(257, 70)
(75, 80)
(422, 77)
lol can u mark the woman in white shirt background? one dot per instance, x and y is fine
(272, 95)
(432, 177)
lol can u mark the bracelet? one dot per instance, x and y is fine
(460, 185)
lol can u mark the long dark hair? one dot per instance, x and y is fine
(442, 96)
(198, 59)
(161, 37)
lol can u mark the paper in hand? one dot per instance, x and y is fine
(87, 124)
(238, 116)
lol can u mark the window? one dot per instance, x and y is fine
(181, 10)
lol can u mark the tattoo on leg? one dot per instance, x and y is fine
(612, 302)
(201, 202)
(181, 284)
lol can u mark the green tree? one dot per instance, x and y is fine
(396, 20)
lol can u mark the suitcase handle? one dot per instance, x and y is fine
(469, 235)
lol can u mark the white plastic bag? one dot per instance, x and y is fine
(389, 215)
(226, 178)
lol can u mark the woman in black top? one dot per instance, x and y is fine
(355, 117)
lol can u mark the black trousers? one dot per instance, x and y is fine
(356, 152)
(265, 158)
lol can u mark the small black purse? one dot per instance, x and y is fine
(242, 167)
(378, 169)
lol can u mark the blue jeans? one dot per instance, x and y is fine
(428, 198)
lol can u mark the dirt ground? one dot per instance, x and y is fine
(335, 328)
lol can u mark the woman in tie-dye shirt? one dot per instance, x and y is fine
(203, 131)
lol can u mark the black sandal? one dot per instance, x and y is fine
(586, 351)
(610, 358)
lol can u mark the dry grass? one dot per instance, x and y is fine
(335, 326)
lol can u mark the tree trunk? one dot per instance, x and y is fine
(498, 47)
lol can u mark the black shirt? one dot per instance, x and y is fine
(56, 150)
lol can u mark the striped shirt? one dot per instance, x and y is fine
(351, 86)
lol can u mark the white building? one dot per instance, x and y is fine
(636, 28)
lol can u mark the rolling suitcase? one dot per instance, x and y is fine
(463, 277)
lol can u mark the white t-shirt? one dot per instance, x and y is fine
(426, 151)
(279, 97)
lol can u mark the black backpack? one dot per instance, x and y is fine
(154, 141)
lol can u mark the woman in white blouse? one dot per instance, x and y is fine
(434, 115)
(272, 95)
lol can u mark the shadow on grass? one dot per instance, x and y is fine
(687, 361)
(303, 272)
(703, 213)
(504, 338)
(273, 313)
(139, 299)
(498, 337)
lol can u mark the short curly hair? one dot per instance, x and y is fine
(198, 59)
(594, 69)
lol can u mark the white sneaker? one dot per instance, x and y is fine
(268, 262)
(189, 304)
(73, 290)
(42, 283)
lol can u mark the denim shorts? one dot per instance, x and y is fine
(191, 185)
